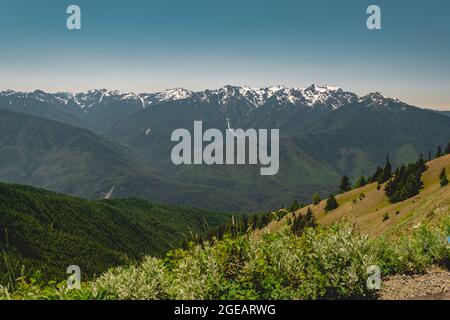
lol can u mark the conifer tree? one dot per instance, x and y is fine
(331, 203)
(439, 152)
(406, 182)
(387, 171)
(443, 178)
(345, 185)
(316, 199)
(310, 219)
(301, 222)
(377, 175)
(295, 206)
(361, 182)
(447, 149)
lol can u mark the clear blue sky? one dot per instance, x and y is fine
(145, 46)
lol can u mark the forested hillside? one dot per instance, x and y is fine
(46, 231)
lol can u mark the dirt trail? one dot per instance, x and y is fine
(434, 285)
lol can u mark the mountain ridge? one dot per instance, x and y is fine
(312, 96)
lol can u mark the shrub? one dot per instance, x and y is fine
(427, 246)
(316, 199)
(322, 263)
(331, 203)
(443, 178)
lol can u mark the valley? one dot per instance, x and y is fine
(45, 232)
(325, 133)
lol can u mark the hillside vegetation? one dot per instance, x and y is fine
(329, 259)
(322, 263)
(370, 210)
(47, 232)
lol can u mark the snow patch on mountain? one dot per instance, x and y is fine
(314, 96)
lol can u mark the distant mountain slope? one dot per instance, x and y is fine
(368, 213)
(317, 145)
(48, 231)
(76, 161)
(325, 133)
(358, 136)
(50, 108)
(299, 173)
(99, 109)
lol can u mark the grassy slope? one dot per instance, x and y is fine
(48, 231)
(367, 214)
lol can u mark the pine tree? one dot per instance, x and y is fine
(377, 175)
(295, 206)
(301, 222)
(316, 199)
(406, 182)
(422, 164)
(310, 219)
(331, 203)
(361, 182)
(298, 225)
(443, 178)
(387, 171)
(345, 185)
(439, 152)
(447, 149)
(245, 224)
(255, 222)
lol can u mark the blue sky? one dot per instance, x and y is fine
(145, 46)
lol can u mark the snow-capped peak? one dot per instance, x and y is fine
(314, 96)
(377, 99)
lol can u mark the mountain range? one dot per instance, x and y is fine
(117, 144)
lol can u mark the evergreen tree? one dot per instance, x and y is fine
(345, 185)
(264, 222)
(331, 203)
(301, 222)
(361, 182)
(447, 149)
(245, 224)
(439, 152)
(295, 206)
(298, 225)
(255, 222)
(387, 171)
(377, 176)
(443, 178)
(406, 182)
(316, 199)
(310, 219)
(422, 164)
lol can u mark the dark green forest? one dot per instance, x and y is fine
(45, 231)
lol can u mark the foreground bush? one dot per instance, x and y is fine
(322, 263)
